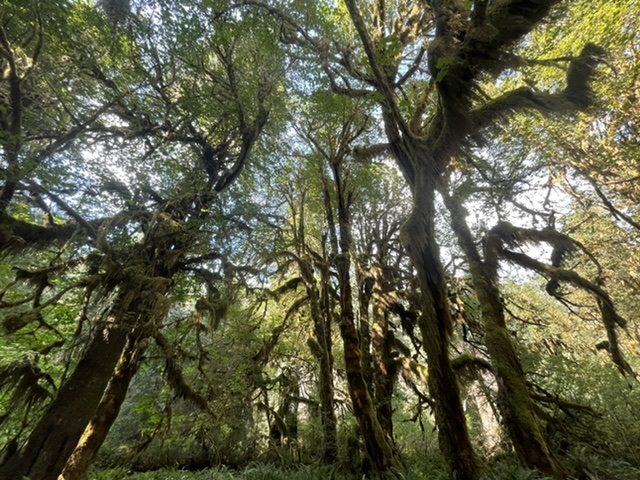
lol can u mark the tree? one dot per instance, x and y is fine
(134, 255)
(332, 139)
(442, 118)
(127, 135)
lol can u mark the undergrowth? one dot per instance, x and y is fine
(252, 472)
(585, 464)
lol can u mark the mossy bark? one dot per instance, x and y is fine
(365, 293)
(140, 305)
(384, 373)
(320, 314)
(327, 409)
(106, 414)
(322, 328)
(514, 400)
(57, 433)
(435, 323)
(380, 451)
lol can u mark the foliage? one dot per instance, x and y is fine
(261, 472)
(193, 170)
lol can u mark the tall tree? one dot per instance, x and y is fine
(332, 138)
(441, 52)
(308, 256)
(135, 254)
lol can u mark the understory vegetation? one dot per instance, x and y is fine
(296, 239)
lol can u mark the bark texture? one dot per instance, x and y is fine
(380, 451)
(57, 433)
(96, 432)
(384, 374)
(322, 332)
(436, 324)
(514, 400)
(320, 307)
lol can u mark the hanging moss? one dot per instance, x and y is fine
(18, 235)
(514, 18)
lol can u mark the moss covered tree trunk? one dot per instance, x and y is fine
(57, 433)
(380, 451)
(319, 302)
(322, 330)
(384, 372)
(141, 305)
(435, 323)
(514, 400)
(365, 293)
(106, 414)
(322, 327)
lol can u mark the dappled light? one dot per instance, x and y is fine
(289, 239)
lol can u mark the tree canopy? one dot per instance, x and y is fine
(390, 238)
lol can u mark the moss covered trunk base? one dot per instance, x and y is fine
(57, 433)
(108, 410)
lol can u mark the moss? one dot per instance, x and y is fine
(13, 323)
(484, 33)
(515, 18)
(516, 405)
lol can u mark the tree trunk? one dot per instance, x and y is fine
(327, 402)
(380, 452)
(57, 433)
(291, 414)
(321, 316)
(55, 437)
(384, 371)
(365, 293)
(514, 401)
(435, 322)
(108, 410)
(327, 410)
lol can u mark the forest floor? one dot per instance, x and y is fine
(505, 469)
(258, 472)
(269, 472)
